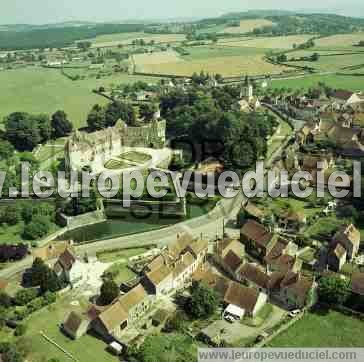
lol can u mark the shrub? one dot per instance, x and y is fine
(37, 228)
(12, 252)
(24, 296)
(20, 330)
(5, 300)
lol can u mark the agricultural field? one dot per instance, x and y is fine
(320, 329)
(223, 60)
(40, 90)
(247, 26)
(336, 81)
(340, 41)
(112, 40)
(331, 63)
(278, 43)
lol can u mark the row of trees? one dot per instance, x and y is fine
(25, 131)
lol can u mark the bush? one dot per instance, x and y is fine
(24, 296)
(35, 304)
(37, 228)
(20, 330)
(12, 252)
(5, 300)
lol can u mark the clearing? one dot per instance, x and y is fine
(340, 41)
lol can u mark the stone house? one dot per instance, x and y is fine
(68, 268)
(159, 281)
(349, 238)
(122, 313)
(293, 290)
(252, 276)
(257, 239)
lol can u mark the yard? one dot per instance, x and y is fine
(322, 329)
(110, 256)
(47, 320)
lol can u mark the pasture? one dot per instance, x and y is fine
(247, 26)
(40, 90)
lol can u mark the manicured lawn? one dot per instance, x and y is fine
(331, 329)
(39, 90)
(336, 81)
(137, 157)
(120, 272)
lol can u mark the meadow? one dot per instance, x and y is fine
(40, 90)
(321, 329)
(247, 26)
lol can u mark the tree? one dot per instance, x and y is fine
(84, 45)
(61, 126)
(38, 272)
(10, 215)
(147, 111)
(5, 300)
(50, 282)
(109, 292)
(37, 228)
(6, 150)
(96, 118)
(22, 131)
(203, 301)
(333, 290)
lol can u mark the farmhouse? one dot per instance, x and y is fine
(68, 268)
(75, 325)
(337, 258)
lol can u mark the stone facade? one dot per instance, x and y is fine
(84, 148)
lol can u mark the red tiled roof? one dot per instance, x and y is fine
(256, 232)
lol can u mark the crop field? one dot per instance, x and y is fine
(247, 26)
(279, 42)
(127, 38)
(224, 60)
(40, 90)
(333, 62)
(336, 81)
(340, 41)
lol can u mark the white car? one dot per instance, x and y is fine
(294, 313)
(229, 318)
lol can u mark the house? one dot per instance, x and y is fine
(349, 238)
(282, 257)
(231, 263)
(346, 98)
(75, 325)
(292, 221)
(248, 299)
(159, 281)
(292, 289)
(253, 211)
(68, 268)
(337, 258)
(217, 282)
(173, 269)
(252, 276)
(122, 313)
(256, 238)
(357, 283)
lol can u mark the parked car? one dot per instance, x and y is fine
(294, 313)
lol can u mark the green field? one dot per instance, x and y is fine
(322, 329)
(336, 81)
(39, 90)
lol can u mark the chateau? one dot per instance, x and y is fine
(83, 149)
